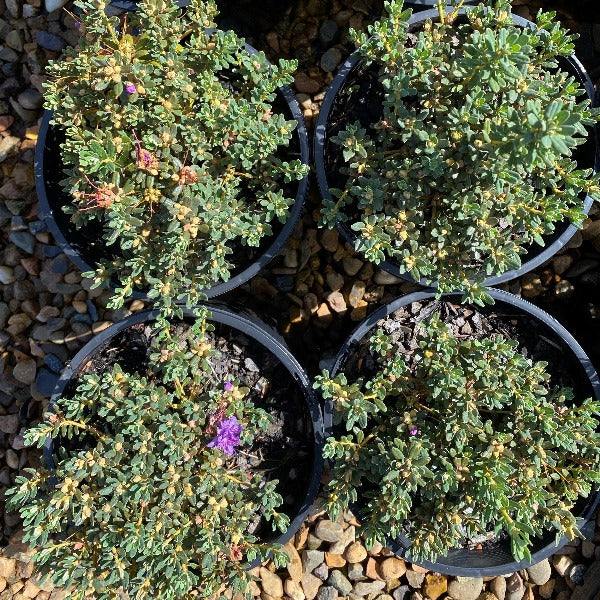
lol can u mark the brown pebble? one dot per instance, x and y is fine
(355, 553)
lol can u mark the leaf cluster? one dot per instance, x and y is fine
(136, 500)
(462, 440)
(172, 144)
(471, 161)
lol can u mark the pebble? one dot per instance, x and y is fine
(30, 99)
(331, 59)
(355, 553)
(562, 564)
(8, 567)
(54, 4)
(435, 585)
(23, 240)
(465, 588)
(306, 84)
(7, 275)
(310, 585)
(564, 290)
(384, 278)
(329, 239)
(334, 281)
(336, 302)
(400, 592)
(392, 568)
(294, 565)
(25, 371)
(356, 572)
(9, 423)
(577, 574)
(45, 382)
(515, 588)
(293, 590)
(53, 362)
(328, 32)
(545, 590)
(363, 588)
(49, 41)
(12, 459)
(498, 587)
(540, 572)
(322, 572)
(7, 145)
(327, 593)
(531, 285)
(351, 265)
(415, 579)
(587, 549)
(271, 583)
(340, 582)
(311, 559)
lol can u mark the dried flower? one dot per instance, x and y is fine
(228, 436)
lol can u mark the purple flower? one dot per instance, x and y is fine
(228, 436)
(130, 88)
(413, 431)
(77, 24)
(228, 386)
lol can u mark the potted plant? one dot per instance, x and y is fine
(170, 459)
(452, 145)
(172, 151)
(466, 437)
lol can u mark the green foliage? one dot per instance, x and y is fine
(142, 501)
(462, 438)
(172, 144)
(471, 161)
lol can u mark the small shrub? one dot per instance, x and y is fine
(172, 145)
(471, 160)
(459, 439)
(149, 493)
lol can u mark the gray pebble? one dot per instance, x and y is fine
(327, 593)
(577, 574)
(53, 363)
(7, 145)
(322, 571)
(45, 382)
(50, 41)
(37, 227)
(328, 32)
(30, 99)
(356, 572)
(23, 240)
(311, 559)
(331, 59)
(51, 251)
(340, 582)
(363, 588)
(400, 592)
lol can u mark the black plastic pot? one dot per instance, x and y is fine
(588, 154)
(85, 246)
(250, 326)
(495, 560)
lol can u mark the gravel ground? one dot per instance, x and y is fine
(315, 293)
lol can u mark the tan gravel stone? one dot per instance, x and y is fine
(271, 583)
(7, 567)
(435, 585)
(355, 553)
(334, 560)
(294, 566)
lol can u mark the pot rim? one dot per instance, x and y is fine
(250, 325)
(459, 566)
(320, 139)
(45, 211)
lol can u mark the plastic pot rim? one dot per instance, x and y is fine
(401, 546)
(320, 137)
(45, 211)
(251, 326)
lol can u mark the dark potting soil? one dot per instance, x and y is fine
(535, 340)
(88, 241)
(277, 453)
